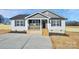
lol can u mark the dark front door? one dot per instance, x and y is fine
(44, 22)
(44, 28)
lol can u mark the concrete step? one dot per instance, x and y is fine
(34, 32)
(45, 32)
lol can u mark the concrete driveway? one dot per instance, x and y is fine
(24, 41)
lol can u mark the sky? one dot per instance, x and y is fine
(70, 14)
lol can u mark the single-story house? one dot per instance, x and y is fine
(38, 21)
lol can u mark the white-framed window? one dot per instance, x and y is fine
(55, 22)
(19, 22)
(34, 22)
(58, 22)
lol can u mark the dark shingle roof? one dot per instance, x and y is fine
(21, 16)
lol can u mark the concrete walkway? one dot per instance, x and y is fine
(24, 41)
(39, 42)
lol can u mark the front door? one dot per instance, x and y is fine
(44, 22)
(44, 28)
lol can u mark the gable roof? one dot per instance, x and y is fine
(36, 15)
(44, 14)
(21, 16)
(52, 15)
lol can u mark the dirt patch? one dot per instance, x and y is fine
(65, 42)
(3, 31)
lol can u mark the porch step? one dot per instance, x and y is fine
(45, 32)
(34, 32)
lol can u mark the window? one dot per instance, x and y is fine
(55, 22)
(19, 22)
(16, 23)
(58, 22)
(22, 23)
(34, 23)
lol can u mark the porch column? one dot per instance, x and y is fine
(26, 24)
(48, 23)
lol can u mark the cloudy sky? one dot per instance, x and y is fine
(71, 14)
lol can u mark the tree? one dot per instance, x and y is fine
(72, 23)
(1, 19)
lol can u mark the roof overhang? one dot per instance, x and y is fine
(35, 14)
(59, 18)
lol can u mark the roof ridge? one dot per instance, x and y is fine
(52, 13)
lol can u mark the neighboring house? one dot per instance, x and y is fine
(38, 21)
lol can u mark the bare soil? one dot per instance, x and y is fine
(69, 40)
(3, 31)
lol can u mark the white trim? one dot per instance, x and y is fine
(33, 14)
(30, 15)
(37, 18)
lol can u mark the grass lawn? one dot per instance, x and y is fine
(72, 28)
(4, 28)
(68, 41)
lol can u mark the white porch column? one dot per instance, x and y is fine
(48, 23)
(40, 24)
(26, 24)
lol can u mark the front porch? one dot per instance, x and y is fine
(39, 26)
(34, 24)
